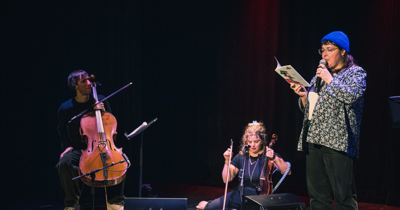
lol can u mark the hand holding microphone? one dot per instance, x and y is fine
(322, 73)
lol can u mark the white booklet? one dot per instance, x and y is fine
(290, 74)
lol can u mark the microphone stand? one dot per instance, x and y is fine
(241, 186)
(134, 133)
(92, 175)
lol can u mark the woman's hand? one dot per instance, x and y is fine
(270, 153)
(227, 154)
(228, 167)
(324, 74)
(299, 90)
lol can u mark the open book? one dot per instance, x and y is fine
(290, 74)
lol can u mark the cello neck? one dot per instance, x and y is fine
(99, 121)
(265, 164)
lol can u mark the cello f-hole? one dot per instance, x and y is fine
(92, 145)
(110, 145)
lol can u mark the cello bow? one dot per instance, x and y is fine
(227, 176)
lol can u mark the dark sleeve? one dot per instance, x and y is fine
(62, 129)
(106, 104)
(237, 161)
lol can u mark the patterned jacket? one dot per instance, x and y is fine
(337, 114)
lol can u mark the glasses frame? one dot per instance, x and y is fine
(328, 51)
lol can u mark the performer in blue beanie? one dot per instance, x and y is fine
(331, 126)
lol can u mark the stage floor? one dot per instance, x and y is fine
(193, 193)
(197, 193)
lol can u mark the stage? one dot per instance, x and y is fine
(193, 193)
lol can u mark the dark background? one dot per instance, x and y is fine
(203, 68)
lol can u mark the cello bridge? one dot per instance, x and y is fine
(101, 143)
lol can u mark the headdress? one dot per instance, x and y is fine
(254, 123)
(255, 131)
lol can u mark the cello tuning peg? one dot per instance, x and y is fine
(92, 77)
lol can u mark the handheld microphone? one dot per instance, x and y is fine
(318, 81)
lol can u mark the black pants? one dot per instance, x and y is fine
(233, 200)
(68, 167)
(330, 175)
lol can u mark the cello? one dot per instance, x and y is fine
(265, 185)
(98, 131)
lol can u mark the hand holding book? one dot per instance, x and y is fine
(290, 75)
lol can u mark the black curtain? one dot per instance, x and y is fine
(203, 68)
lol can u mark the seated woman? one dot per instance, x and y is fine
(255, 137)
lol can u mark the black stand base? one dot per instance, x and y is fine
(285, 201)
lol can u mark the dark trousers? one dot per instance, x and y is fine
(233, 200)
(330, 175)
(67, 168)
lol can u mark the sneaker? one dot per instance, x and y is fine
(115, 206)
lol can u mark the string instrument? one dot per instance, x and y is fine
(98, 130)
(265, 185)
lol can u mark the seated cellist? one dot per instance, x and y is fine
(68, 164)
(255, 137)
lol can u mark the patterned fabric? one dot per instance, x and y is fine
(337, 114)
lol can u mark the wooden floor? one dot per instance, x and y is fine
(193, 193)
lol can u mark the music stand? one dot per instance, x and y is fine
(137, 131)
(394, 105)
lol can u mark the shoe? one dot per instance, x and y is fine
(115, 206)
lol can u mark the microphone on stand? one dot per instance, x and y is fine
(318, 81)
(245, 148)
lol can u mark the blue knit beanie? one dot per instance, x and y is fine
(339, 38)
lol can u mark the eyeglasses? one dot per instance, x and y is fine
(328, 50)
